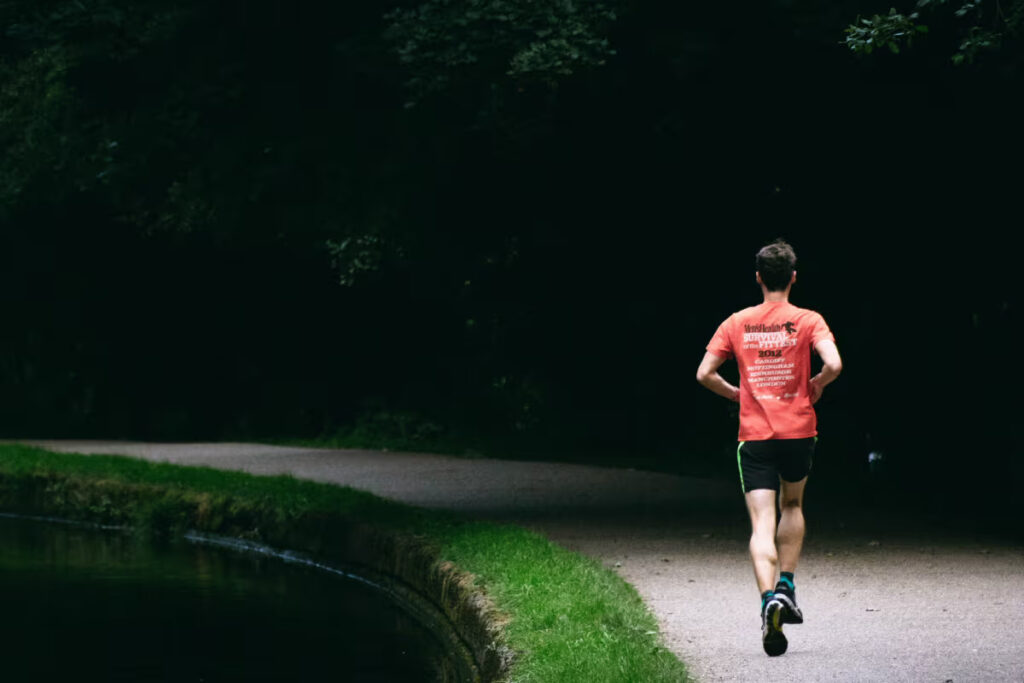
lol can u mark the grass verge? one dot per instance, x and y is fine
(564, 616)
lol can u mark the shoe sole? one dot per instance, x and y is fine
(774, 639)
(791, 614)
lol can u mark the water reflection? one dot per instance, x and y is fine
(89, 605)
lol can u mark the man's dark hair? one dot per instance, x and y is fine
(776, 263)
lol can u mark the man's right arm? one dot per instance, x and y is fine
(833, 365)
(707, 374)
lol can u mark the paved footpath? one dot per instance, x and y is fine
(880, 604)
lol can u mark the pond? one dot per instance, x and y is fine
(85, 604)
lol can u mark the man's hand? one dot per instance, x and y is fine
(816, 389)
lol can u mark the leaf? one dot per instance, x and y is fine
(921, 28)
(894, 48)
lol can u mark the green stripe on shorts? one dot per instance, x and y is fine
(739, 465)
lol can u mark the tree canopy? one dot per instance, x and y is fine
(489, 218)
(971, 29)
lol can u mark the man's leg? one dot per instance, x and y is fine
(791, 524)
(761, 506)
(789, 542)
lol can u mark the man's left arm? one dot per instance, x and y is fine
(832, 366)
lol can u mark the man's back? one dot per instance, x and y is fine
(772, 345)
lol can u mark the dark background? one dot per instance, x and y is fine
(542, 258)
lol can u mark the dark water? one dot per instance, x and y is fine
(79, 604)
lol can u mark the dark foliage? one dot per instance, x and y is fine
(222, 219)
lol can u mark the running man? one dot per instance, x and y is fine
(772, 346)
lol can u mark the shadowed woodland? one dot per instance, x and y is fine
(506, 227)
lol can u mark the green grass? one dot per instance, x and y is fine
(569, 618)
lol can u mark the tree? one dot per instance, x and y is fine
(442, 42)
(978, 26)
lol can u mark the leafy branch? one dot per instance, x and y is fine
(989, 23)
(883, 30)
(439, 40)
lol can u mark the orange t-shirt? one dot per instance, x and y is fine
(772, 345)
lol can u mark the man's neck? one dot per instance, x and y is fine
(775, 297)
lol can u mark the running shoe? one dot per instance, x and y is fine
(791, 614)
(772, 638)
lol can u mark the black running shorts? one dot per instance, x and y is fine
(761, 463)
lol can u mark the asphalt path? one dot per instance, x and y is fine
(882, 601)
